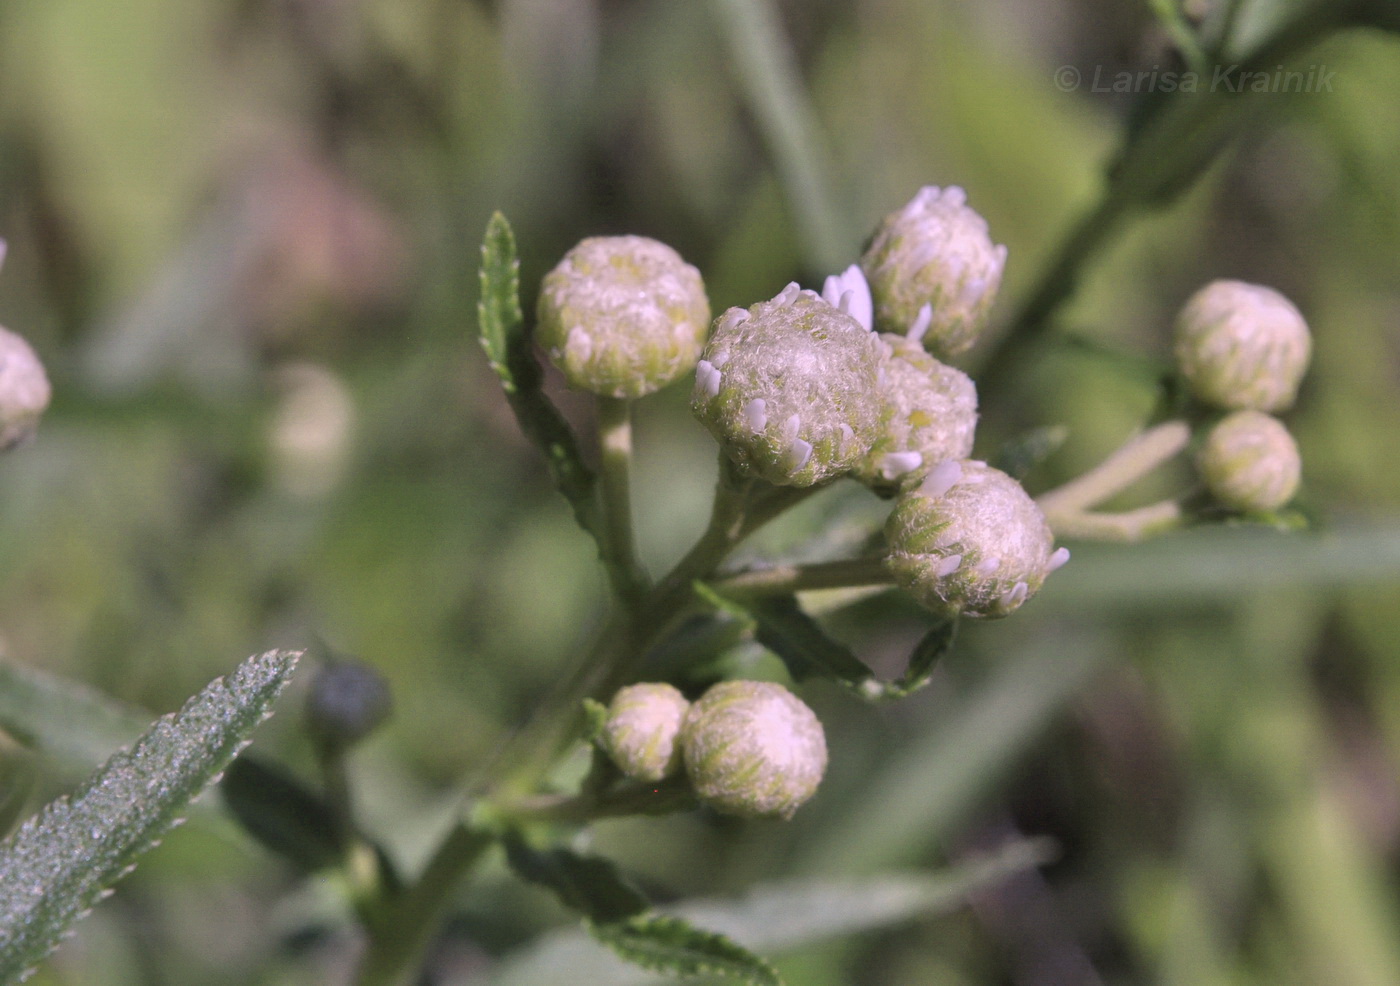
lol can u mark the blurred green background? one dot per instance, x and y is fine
(243, 237)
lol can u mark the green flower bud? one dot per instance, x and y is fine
(1242, 346)
(934, 271)
(970, 540)
(753, 748)
(622, 316)
(643, 729)
(789, 388)
(929, 415)
(1250, 462)
(24, 390)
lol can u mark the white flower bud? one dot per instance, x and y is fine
(753, 748)
(789, 388)
(24, 390)
(622, 316)
(642, 730)
(934, 271)
(970, 540)
(1242, 346)
(1250, 462)
(929, 415)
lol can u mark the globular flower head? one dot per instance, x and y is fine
(1249, 461)
(970, 540)
(753, 748)
(622, 316)
(642, 730)
(1242, 346)
(929, 415)
(934, 271)
(788, 388)
(24, 390)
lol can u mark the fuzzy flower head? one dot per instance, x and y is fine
(970, 540)
(622, 316)
(788, 388)
(753, 748)
(929, 415)
(1242, 346)
(642, 730)
(1249, 461)
(24, 390)
(934, 271)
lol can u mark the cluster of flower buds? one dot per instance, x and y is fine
(1244, 348)
(749, 748)
(24, 387)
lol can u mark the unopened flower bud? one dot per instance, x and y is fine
(346, 702)
(1242, 346)
(970, 540)
(642, 730)
(1250, 462)
(24, 390)
(789, 388)
(753, 748)
(929, 415)
(934, 271)
(622, 316)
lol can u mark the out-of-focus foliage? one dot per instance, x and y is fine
(243, 237)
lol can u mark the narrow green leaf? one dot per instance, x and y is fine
(673, 946)
(63, 860)
(927, 653)
(1026, 451)
(507, 346)
(591, 885)
(64, 719)
(804, 646)
(284, 815)
(17, 777)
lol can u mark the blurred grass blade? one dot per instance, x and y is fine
(782, 916)
(507, 346)
(63, 861)
(64, 719)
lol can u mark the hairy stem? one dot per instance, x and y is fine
(782, 580)
(1137, 457)
(619, 547)
(1129, 526)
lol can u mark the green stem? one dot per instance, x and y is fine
(1138, 456)
(1129, 526)
(618, 544)
(781, 580)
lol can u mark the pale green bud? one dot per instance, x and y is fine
(24, 390)
(1249, 461)
(642, 730)
(1242, 346)
(622, 316)
(789, 388)
(970, 540)
(929, 415)
(753, 748)
(934, 271)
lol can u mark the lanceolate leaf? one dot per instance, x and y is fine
(284, 815)
(927, 653)
(670, 945)
(591, 885)
(64, 719)
(507, 347)
(63, 860)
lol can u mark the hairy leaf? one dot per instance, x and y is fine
(804, 646)
(671, 945)
(507, 346)
(591, 885)
(63, 860)
(927, 653)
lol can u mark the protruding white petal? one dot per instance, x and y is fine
(988, 566)
(790, 429)
(719, 359)
(851, 282)
(848, 433)
(788, 294)
(948, 566)
(1057, 559)
(707, 378)
(756, 414)
(799, 452)
(942, 478)
(921, 323)
(1016, 595)
(578, 344)
(896, 464)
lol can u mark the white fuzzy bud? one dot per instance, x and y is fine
(1242, 346)
(622, 316)
(24, 390)
(1249, 461)
(970, 540)
(934, 271)
(929, 415)
(753, 748)
(789, 388)
(642, 730)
